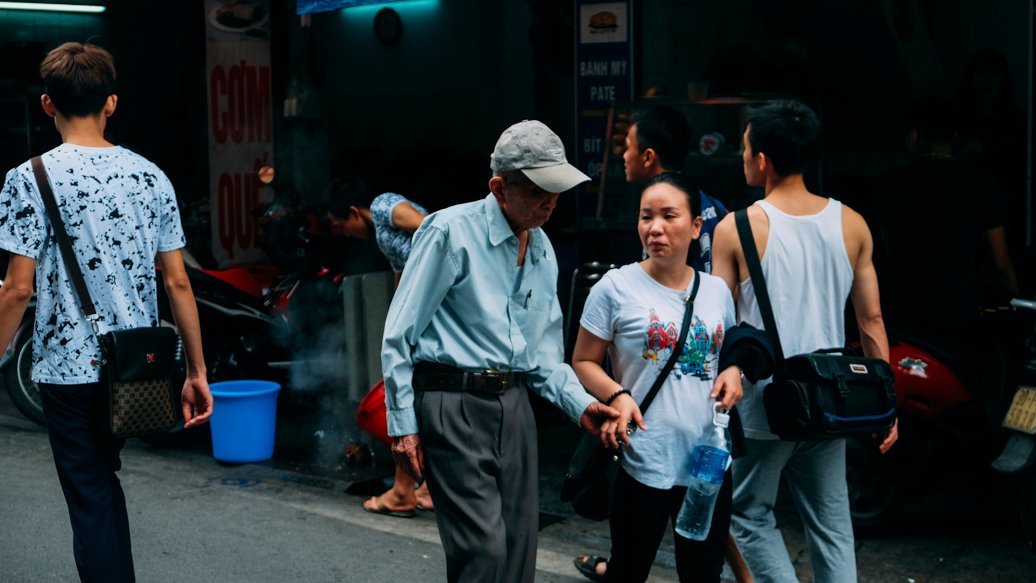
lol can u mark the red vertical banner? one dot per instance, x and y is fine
(240, 123)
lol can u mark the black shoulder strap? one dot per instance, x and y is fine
(68, 254)
(677, 349)
(755, 272)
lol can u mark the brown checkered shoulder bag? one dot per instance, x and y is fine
(137, 364)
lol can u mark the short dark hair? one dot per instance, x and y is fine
(788, 132)
(934, 119)
(78, 78)
(343, 193)
(682, 183)
(665, 130)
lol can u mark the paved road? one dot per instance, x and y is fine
(194, 519)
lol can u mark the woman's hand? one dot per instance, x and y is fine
(614, 431)
(727, 389)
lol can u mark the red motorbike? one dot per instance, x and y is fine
(949, 429)
(238, 332)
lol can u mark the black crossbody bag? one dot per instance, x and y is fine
(590, 480)
(137, 364)
(819, 395)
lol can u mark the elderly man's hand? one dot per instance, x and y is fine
(595, 415)
(406, 449)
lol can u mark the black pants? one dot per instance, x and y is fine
(639, 521)
(87, 457)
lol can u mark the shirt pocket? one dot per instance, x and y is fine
(534, 317)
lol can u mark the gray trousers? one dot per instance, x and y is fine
(480, 456)
(814, 472)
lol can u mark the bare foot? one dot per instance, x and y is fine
(397, 497)
(380, 505)
(424, 499)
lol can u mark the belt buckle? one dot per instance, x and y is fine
(500, 375)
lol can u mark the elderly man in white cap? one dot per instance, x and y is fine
(474, 324)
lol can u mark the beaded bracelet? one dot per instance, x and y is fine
(615, 395)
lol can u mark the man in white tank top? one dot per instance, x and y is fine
(815, 254)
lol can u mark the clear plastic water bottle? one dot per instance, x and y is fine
(708, 464)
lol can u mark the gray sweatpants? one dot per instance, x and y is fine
(814, 471)
(480, 456)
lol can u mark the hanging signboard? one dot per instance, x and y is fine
(240, 123)
(604, 76)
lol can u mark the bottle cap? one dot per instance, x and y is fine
(720, 416)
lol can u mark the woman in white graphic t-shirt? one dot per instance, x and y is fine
(633, 315)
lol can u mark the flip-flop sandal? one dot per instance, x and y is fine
(589, 567)
(424, 508)
(380, 508)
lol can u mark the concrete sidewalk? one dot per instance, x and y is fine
(198, 520)
(290, 518)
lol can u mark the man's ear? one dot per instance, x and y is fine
(764, 162)
(48, 105)
(109, 105)
(354, 210)
(650, 157)
(496, 186)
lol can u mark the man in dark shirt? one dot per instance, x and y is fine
(941, 232)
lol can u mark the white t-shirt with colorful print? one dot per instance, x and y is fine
(119, 211)
(642, 318)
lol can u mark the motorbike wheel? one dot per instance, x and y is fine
(874, 500)
(20, 386)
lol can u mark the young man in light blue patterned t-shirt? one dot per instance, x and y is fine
(121, 214)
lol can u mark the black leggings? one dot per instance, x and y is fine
(638, 522)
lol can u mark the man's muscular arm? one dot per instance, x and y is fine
(725, 244)
(865, 297)
(867, 301)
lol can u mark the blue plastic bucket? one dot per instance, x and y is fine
(243, 420)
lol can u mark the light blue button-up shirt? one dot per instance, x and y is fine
(458, 304)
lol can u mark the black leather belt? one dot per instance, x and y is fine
(439, 377)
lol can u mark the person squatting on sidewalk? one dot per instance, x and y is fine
(474, 324)
(353, 210)
(120, 211)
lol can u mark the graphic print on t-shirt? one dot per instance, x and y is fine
(699, 353)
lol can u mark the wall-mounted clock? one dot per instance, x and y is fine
(388, 27)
